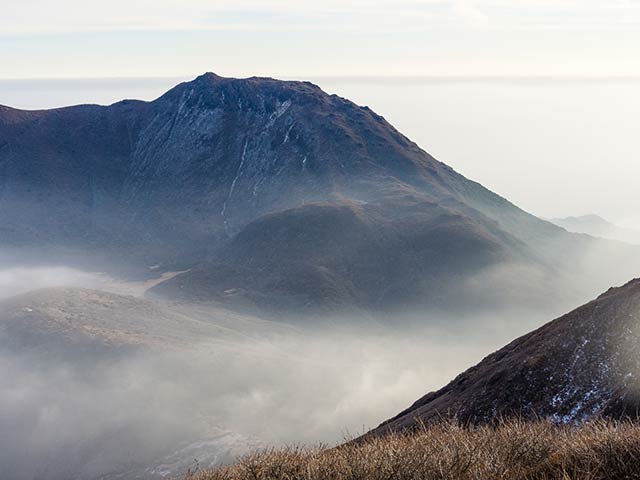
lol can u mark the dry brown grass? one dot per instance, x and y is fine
(512, 450)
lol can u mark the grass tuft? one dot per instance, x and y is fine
(512, 449)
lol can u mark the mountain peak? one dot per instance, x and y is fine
(258, 93)
(210, 79)
(180, 178)
(210, 76)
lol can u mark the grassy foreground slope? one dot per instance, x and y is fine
(513, 449)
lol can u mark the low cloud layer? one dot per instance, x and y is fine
(72, 411)
(124, 414)
(16, 280)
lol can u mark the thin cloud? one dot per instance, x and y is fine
(73, 16)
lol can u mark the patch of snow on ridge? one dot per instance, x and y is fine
(286, 136)
(233, 183)
(280, 110)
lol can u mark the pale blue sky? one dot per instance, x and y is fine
(74, 38)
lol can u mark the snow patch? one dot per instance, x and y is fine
(286, 136)
(233, 184)
(280, 110)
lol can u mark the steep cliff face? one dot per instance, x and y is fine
(583, 365)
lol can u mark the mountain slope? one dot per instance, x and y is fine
(342, 256)
(218, 171)
(203, 160)
(582, 365)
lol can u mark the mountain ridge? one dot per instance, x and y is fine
(176, 181)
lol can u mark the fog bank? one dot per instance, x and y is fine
(62, 418)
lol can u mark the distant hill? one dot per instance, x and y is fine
(274, 195)
(598, 227)
(76, 321)
(581, 366)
